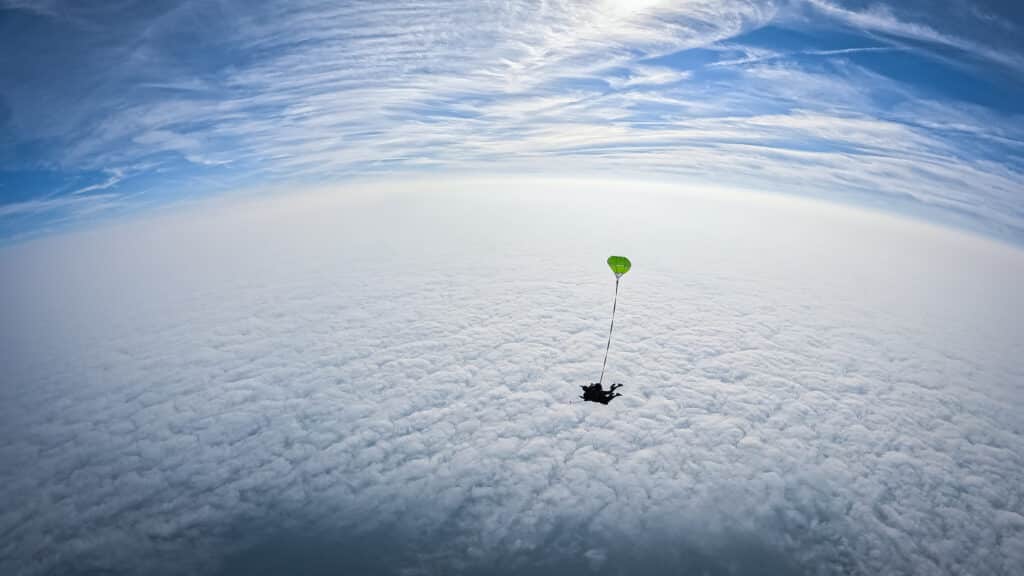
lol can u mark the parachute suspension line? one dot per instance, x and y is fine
(615, 303)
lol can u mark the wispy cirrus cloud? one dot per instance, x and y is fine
(879, 18)
(42, 7)
(319, 90)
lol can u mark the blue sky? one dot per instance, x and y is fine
(111, 108)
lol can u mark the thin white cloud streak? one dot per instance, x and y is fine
(114, 176)
(648, 76)
(755, 56)
(40, 7)
(77, 205)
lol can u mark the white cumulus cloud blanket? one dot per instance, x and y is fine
(383, 379)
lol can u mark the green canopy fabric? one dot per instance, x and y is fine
(619, 265)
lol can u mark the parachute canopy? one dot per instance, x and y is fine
(619, 265)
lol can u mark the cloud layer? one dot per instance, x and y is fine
(381, 379)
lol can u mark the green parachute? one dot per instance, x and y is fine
(619, 265)
(595, 392)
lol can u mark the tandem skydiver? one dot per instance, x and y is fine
(596, 393)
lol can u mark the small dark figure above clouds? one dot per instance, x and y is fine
(596, 393)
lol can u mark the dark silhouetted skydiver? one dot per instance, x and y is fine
(596, 393)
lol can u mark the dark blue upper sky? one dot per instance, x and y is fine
(913, 106)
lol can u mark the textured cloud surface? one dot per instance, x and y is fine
(382, 380)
